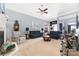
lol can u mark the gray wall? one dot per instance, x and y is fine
(24, 21)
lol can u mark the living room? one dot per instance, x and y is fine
(36, 29)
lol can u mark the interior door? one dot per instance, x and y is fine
(69, 28)
(60, 26)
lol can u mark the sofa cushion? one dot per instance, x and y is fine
(55, 34)
(35, 34)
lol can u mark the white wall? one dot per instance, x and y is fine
(68, 13)
(32, 9)
(67, 8)
(24, 21)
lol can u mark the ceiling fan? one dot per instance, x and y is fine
(43, 10)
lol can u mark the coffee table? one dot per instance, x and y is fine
(46, 38)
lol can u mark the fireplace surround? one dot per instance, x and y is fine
(2, 29)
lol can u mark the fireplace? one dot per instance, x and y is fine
(1, 38)
(2, 33)
(2, 29)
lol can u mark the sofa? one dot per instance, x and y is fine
(35, 34)
(55, 34)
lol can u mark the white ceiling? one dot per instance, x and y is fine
(32, 9)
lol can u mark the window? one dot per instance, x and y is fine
(73, 27)
(54, 27)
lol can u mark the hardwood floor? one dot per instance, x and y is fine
(38, 47)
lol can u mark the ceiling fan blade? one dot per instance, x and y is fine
(46, 12)
(45, 9)
(41, 13)
(40, 9)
